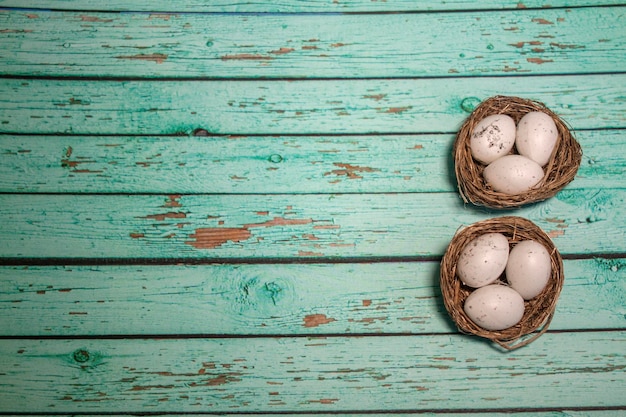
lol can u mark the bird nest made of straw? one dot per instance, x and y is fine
(559, 171)
(538, 311)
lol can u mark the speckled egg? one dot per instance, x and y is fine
(483, 260)
(493, 137)
(513, 174)
(494, 307)
(529, 268)
(536, 137)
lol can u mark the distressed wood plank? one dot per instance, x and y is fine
(342, 374)
(302, 107)
(252, 164)
(285, 226)
(270, 299)
(607, 412)
(283, 6)
(545, 41)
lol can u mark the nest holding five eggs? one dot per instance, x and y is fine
(560, 169)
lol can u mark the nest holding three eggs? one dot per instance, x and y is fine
(559, 171)
(538, 311)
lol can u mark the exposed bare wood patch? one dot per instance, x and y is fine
(314, 320)
(350, 171)
(396, 110)
(16, 31)
(211, 238)
(147, 164)
(149, 387)
(309, 253)
(521, 44)
(224, 379)
(555, 233)
(279, 221)
(542, 21)
(376, 97)
(413, 319)
(158, 58)
(325, 401)
(172, 201)
(86, 18)
(163, 216)
(555, 220)
(368, 320)
(538, 61)
(566, 46)
(246, 57)
(282, 51)
(66, 163)
(161, 16)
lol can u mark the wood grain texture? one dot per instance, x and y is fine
(301, 6)
(283, 259)
(285, 226)
(266, 299)
(343, 374)
(260, 164)
(544, 41)
(288, 107)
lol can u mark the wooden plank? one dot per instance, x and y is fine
(609, 412)
(451, 372)
(191, 45)
(285, 226)
(308, 6)
(270, 299)
(260, 164)
(287, 107)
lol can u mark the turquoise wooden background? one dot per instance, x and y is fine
(239, 208)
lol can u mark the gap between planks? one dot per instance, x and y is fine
(11, 261)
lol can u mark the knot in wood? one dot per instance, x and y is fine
(275, 158)
(81, 356)
(468, 104)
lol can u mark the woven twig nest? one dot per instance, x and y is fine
(559, 171)
(538, 312)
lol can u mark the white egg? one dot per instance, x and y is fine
(494, 307)
(513, 174)
(493, 137)
(529, 268)
(483, 259)
(536, 137)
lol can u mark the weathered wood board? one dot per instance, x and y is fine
(300, 6)
(419, 105)
(258, 164)
(308, 373)
(251, 226)
(270, 299)
(545, 41)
